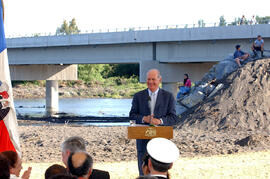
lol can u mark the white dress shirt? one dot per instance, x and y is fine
(153, 96)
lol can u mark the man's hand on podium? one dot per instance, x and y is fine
(151, 120)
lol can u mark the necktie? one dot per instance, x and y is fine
(153, 103)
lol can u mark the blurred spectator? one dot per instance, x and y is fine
(76, 144)
(162, 153)
(253, 20)
(54, 170)
(239, 55)
(16, 165)
(258, 46)
(80, 164)
(4, 168)
(243, 20)
(186, 88)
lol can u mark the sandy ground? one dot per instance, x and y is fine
(245, 165)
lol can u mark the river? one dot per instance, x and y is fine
(81, 107)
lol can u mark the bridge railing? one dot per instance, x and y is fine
(162, 27)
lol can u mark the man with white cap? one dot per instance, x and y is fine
(162, 153)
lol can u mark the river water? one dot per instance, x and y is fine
(80, 107)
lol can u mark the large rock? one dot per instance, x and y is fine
(219, 87)
(180, 109)
(206, 88)
(221, 70)
(193, 99)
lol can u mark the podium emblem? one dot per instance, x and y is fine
(150, 132)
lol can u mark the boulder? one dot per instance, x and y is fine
(206, 88)
(193, 99)
(221, 70)
(219, 87)
(180, 109)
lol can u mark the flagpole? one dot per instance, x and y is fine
(3, 10)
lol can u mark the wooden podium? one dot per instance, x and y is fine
(149, 132)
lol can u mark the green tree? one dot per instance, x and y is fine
(68, 28)
(201, 23)
(222, 21)
(263, 20)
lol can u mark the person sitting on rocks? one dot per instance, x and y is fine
(258, 46)
(239, 55)
(80, 164)
(55, 170)
(186, 88)
(16, 165)
(75, 144)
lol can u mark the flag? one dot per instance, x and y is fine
(9, 138)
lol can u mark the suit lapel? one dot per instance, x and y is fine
(158, 101)
(145, 100)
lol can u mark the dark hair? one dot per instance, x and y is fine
(145, 159)
(54, 170)
(185, 80)
(63, 176)
(159, 166)
(12, 158)
(83, 169)
(4, 168)
(147, 177)
(259, 36)
(237, 47)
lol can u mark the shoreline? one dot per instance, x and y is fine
(78, 89)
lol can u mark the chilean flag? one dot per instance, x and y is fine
(9, 138)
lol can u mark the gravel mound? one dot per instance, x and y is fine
(243, 103)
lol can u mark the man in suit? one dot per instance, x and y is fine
(152, 106)
(75, 144)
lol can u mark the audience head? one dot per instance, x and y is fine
(153, 79)
(55, 170)
(15, 163)
(71, 145)
(162, 153)
(63, 176)
(237, 47)
(259, 37)
(80, 164)
(4, 168)
(147, 177)
(186, 76)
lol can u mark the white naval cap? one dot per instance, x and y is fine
(162, 150)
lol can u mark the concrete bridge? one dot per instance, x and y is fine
(173, 51)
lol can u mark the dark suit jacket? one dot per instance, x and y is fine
(99, 174)
(164, 108)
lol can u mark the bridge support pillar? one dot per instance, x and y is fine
(171, 87)
(51, 97)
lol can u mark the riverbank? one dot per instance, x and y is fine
(110, 88)
(110, 144)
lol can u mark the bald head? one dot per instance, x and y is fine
(80, 164)
(153, 79)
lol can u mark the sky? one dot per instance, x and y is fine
(26, 17)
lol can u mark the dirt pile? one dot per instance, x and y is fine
(243, 103)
